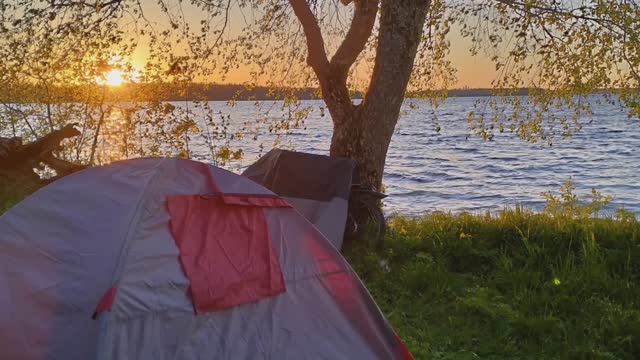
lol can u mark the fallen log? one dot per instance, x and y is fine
(18, 162)
(18, 157)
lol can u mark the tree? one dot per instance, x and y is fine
(576, 49)
(363, 132)
(561, 50)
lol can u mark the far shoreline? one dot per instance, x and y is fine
(239, 92)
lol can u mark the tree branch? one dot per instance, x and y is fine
(317, 57)
(356, 39)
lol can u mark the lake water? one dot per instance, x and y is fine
(428, 170)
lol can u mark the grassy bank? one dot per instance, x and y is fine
(15, 188)
(560, 284)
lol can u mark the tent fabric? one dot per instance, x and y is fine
(329, 217)
(317, 186)
(106, 302)
(58, 255)
(225, 250)
(250, 200)
(65, 246)
(302, 175)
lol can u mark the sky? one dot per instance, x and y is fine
(472, 71)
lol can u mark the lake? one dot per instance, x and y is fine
(428, 170)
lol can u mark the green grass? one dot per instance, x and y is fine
(14, 189)
(561, 284)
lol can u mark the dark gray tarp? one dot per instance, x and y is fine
(302, 175)
(318, 186)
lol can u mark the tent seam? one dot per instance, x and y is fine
(133, 226)
(131, 231)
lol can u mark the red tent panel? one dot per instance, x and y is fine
(354, 302)
(225, 250)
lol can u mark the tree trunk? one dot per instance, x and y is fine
(364, 133)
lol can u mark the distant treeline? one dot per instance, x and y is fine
(219, 92)
(223, 92)
(468, 93)
(241, 92)
(212, 92)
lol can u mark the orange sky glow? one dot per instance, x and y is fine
(472, 71)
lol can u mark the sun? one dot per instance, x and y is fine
(114, 78)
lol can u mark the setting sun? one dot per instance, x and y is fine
(114, 78)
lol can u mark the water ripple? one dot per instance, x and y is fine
(427, 171)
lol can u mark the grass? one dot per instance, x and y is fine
(14, 189)
(561, 284)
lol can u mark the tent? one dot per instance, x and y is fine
(176, 259)
(318, 186)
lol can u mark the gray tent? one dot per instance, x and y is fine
(317, 186)
(176, 259)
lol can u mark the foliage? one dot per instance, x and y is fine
(568, 206)
(562, 51)
(53, 51)
(57, 57)
(561, 284)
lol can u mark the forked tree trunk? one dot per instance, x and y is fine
(364, 132)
